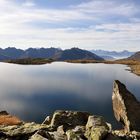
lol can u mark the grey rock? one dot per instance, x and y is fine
(47, 121)
(41, 135)
(96, 128)
(126, 107)
(76, 134)
(69, 119)
(23, 129)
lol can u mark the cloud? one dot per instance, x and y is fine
(29, 3)
(20, 25)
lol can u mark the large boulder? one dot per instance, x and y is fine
(96, 128)
(126, 107)
(69, 119)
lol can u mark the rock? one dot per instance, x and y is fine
(76, 134)
(69, 119)
(126, 107)
(120, 134)
(4, 113)
(6, 119)
(96, 128)
(23, 129)
(113, 137)
(38, 137)
(47, 121)
(49, 135)
(57, 136)
(60, 130)
(41, 135)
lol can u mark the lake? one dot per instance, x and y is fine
(33, 92)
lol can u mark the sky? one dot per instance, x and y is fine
(87, 24)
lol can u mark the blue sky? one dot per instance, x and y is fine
(87, 24)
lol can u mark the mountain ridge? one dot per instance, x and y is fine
(135, 56)
(114, 54)
(57, 54)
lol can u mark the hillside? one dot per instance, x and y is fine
(3, 57)
(135, 56)
(76, 54)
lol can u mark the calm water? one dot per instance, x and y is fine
(33, 92)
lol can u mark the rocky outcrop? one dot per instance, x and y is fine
(69, 119)
(74, 125)
(126, 107)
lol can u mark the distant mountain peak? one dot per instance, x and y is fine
(114, 54)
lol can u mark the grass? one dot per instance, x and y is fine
(133, 64)
(9, 120)
(83, 61)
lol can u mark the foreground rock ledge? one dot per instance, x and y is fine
(126, 107)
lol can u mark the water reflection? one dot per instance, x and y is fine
(32, 92)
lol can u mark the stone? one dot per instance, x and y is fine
(41, 135)
(23, 129)
(38, 137)
(60, 130)
(113, 137)
(4, 113)
(126, 107)
(57, 136)
(76, 134)
(47, 121)
(96, 128)
(49, 135)
(69, 119)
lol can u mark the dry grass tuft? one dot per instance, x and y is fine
(9, 120)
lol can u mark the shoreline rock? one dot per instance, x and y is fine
(126, 107)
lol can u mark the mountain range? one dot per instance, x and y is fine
(48, 53)
(58, 54)
(113, 54)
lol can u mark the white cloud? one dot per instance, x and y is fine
(29, 3)
(108, 7)
(16, 28)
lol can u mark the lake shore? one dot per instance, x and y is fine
(133, 64)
